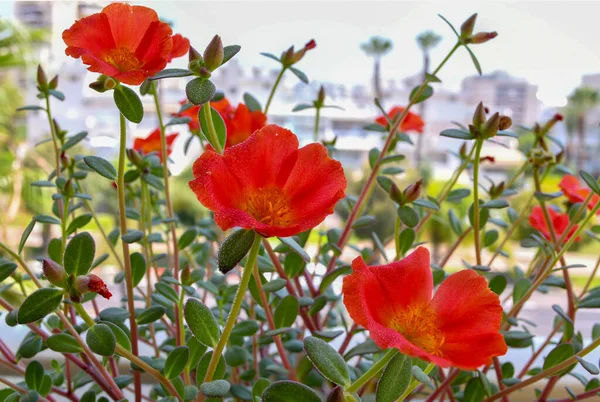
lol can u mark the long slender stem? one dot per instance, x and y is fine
(372, 372)
(414, 383)
(476, 217)
(317, 120)
(163, 152)
(212, 132)
(275, 85)
(54, 135)
(235, 309)
(137, 379)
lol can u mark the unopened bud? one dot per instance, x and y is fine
(550, 123)
(466, 29)
(497, 189)
(321, 97)
(463, 151)
(65, 160)
(287, 58)
(69, 188)
(91, 283)
(185, 275)
(42, 80)
(134, 157)
(204, 72)
(505, 123)
(479, 115)
(490, 128)
(54, 83)
(194, 66)
(310, 45)
(412, 192)
(54, 272)
(560, 156)
(194, 55)
(110, 83)
(214, 54)
(336, 394)
(57, 130)
(396, 194)
(481, 37)
(114, 185)
(558, 117)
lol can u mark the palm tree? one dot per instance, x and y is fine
(579, 104)
(426, 40)
(377, 47)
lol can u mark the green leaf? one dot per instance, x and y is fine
(456, 133)
(215, 389)
(286, 312)
(426, 204)
(327, 361)
(271, 56)
(202, 323)
(172, 73)
(432, 78)
(373, 156)
(520, 289)
(46, 219)
(79, 222)
(64, 343)
(200, 90)
(101, 166)
(332, 276)
(29, 107)
(274, 285)
(363, 221)
(229, 52)
(302, 106)
(300, 74)
(236, 356)
(291, 243)
(138, 267)
(590, 181)
(79, 254)
(406, 239)
(129, 104)
(408, 216)
(6, 269)
(475, 61)
(120, 335)
(176, 361)
(289, 391)
(187, 238)
(557, 355)
(203, 366)
(57, 94)
(234, 248)
(101, 340)
(150, 315)
(458, 194)
(425, 94)
(34, 375)
(495, 204)
(589, 367)
(474, 391)
(251, 102)
(132, 236)
(39, 304)
(498, 283)
(395, 379)
(245, 328)
(218, 124)
(74, 140)
(449, 24)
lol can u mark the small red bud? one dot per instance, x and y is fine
(466, 29)
(214, 53)
(412, 192)
(482, 37)
(558, 117)
(92, 283)
(114, 184)
(42, 80)
(310, 45)
(54, 83)
(54, 272)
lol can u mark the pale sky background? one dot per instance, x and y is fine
(549, 43)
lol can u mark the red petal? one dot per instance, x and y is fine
(181, 46)
(171, 138)
(241, 125)
(468, 311)
(155, 46)
(570, 186)
(89, 35)
(129, 23)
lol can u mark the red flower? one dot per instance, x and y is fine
(560, 222)
(97, 285)
(128, 43)
(240, 121)
(458, 327)
(310, 45)
(190, 111)
(572, 189)
(181, 46)
(412, 122)
(269, 185)
(152, 143)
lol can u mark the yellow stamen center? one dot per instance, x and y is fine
(269, 206)
(418, 325)
(123, 60)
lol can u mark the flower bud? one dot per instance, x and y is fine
(65, 160)
(539, 157)
(59, 132)
(396, 194)
(54, 83)
(69, 188)
(412, 192)
(479, 116)
(135, 158)
(560, 156)
(336, 394)
(466, 29)
(194, 55)
(287, 57)
(114, 185)
(550, 123)
(42, 80)
(496, 190)
(490, 128)
(54, 272)
(214, 54)
(505, 123)
(194, 66)
(300, 53)
(463, 151)
(320, 97)
(91, 283)
(310, 45)
(185, 275)
(204, 72)
(110, 83)
(481, 37)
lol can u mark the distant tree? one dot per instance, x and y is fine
(579, 104)
(426, 40)
(377, 47)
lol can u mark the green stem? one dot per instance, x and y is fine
(477, 232)
(235, 308)
(129, 356)
(372, 372)
(53, 133)
(317, 119)
(212, 132)
(397, 238)
(414, 383)
(126, 259)
(63, 225)
(21, 262)
(275, 85)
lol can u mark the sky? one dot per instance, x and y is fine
(549, 43)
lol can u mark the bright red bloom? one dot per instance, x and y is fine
(181, 45)
(97, 285)
(458, 327)
(572, 189)
(269, 185)
(560, 222)
(128, 43)
(192, 113)
(240, 122)
(152, 143)
(412, 121)
(310, 45)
